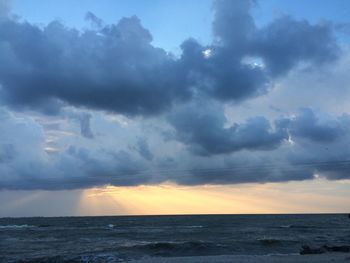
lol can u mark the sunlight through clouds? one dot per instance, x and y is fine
(293, 197)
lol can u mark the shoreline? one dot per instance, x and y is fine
(321, 258)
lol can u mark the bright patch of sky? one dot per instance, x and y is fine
(170, 22)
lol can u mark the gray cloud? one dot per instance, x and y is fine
(4, 8)
(116, 68)
(307, 125)
(95, 21)
(272, 50)
(7, 152)
(77, 169)
(203, 129)
(142, 148)
(316, 147)
(245, 169)
(285, 43)
(233, 24)
(222, 75)
(84, 122)
(24, 163)
(85, 126)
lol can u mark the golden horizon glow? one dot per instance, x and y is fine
(314, 196)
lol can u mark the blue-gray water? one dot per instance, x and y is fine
(113, 239)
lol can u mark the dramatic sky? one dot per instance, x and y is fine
(158, 107)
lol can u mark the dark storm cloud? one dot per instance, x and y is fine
(308, 125)
(285, 42)
(244, 59)
(316, 147)
(221, 75)
(85, 128)
(79, 168)
(233, 24)
(25, 165)
(142, 148)
(116, 68)
(320, 143)
(7, 152)
(246, 170)
(203, 129)
(84, 123)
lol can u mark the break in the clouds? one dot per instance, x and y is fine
(104, 105)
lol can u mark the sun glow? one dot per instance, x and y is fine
(207, 53)
(312, 196)
(293, 197)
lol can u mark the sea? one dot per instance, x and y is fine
(124, 238)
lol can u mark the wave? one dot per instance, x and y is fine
(282, 254)
(175, 248)
(15, 226)
(301, 226)
(297, 226)
(286, 226)
(98, 258)
(270, 241)
(307, 250)
(45, 225)
(267, 241)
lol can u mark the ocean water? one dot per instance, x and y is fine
(117, 239)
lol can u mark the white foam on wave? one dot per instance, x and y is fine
(15, 226)
(282, 255)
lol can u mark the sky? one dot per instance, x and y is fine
(174, 107)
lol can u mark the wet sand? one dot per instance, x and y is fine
(323, 258)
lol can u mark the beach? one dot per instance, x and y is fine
(323, 258)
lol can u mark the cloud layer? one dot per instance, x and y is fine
(106, 106)
(116, 68)
(203, 128)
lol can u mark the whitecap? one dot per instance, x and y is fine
(15, 226)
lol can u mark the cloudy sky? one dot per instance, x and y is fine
(135, 107)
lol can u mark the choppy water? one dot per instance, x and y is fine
(116, 239)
